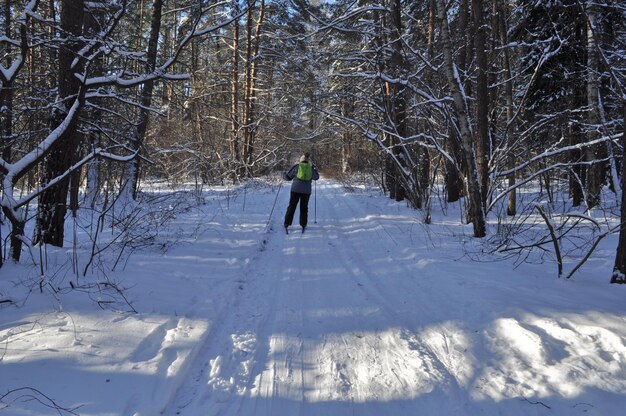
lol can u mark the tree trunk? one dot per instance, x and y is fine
(396, 100)
(6, 90)
(619, 269)
(92, 26)
(465, 33)
(17, 233)
(482, 143)
(464, 127)
(576, 156)
(452, 177)
(423, 180)
(595, 171)
(576, 177)
(511, 131)
(455, 172)
(430, 31)
(423, 155)
(246, 91)
(131, 177)
(234, 101)
(252, 53)
(391, 182)
(347, 111)
(389, 178)
(53, 201)
(17, 217)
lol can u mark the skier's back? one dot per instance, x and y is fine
(301, 174)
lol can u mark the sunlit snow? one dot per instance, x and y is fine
(370, 312)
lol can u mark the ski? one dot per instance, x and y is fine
(301, 230)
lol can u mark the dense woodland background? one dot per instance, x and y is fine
(503, 105)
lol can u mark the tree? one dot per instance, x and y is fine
(253, 43)
(417, 94)
(595, 171)
(462, 125)
(482, 141)
(455, 165)
(58, 151)
(131, 178)
(235, 153)
(396, 98)
(510, 123)
(555, 58)
(53, 201)
(8, 76)
(619, 269)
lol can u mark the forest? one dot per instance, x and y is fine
(515, 109)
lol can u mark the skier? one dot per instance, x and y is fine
(302, 174)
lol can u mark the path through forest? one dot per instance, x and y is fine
(368, 313)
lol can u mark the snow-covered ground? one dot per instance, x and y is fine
(369, 312)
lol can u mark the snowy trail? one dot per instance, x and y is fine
(311, 331)
(368, 313)
(347, 319)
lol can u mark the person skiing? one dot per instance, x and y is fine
(301, 174)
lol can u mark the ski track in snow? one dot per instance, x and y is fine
(322, 326)
(278, 350)
(368, 313)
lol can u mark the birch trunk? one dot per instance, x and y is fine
(595, 171)
(510, 134)
(463, 125)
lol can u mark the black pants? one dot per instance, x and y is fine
(304, 208)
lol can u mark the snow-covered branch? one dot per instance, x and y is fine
(552, 152)
(124, 79)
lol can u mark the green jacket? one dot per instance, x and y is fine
(300, 186)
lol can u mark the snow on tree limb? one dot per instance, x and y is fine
(91, 155)
(551, 153)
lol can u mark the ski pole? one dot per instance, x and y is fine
(315, 203)
(275, 199)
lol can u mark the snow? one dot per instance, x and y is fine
(369, 312)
